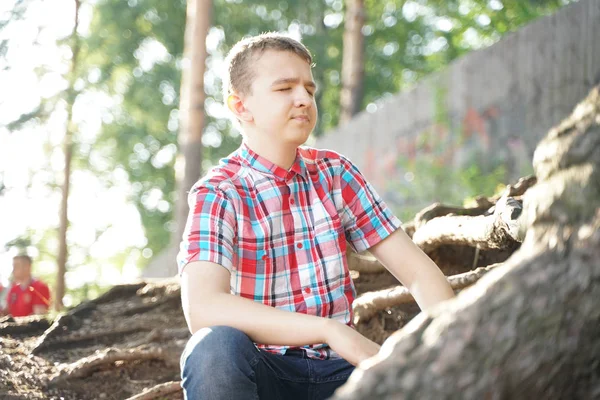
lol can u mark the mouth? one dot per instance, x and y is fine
(301, 118)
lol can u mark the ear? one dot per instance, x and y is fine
(237, 107)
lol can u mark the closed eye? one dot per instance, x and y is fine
(283, 90)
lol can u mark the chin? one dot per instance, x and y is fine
(298, 138)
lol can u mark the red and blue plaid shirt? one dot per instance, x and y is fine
(282, 233)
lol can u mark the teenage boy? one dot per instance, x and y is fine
(265, 284)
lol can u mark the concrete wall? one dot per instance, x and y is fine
(490, 107)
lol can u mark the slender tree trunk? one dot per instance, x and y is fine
(320, 52)
(353, 60)
(192, 118)
(63, 253)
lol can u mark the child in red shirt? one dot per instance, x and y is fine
(27, 295)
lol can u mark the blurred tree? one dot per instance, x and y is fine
(134, 53)
(16, 13)
(47, 245)
(191, 111)
(353, 60)
(71, 95)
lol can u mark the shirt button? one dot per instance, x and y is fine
(299, 245)
(307, 290)
(292, 201)
(264, 257)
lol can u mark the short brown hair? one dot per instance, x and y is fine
(24, 257)
(238, 75)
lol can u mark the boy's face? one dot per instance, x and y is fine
(282, 105)
(21, 269)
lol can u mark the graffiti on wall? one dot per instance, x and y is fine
(451, 157)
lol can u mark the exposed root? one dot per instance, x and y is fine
(483, 204)
(499, 230)
(62, 323)
(158, 391)
(86, 366)
(68, 341)
(368, 305)
(519, 188)
(437, 210)
(162, 334)
(119, 291)
(23, 325)
(365, 264)
(145, 307)
(409, 227)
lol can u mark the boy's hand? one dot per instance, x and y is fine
(349, 344)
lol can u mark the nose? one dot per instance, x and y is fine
(303, 98)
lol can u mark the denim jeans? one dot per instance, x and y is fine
(222, 363)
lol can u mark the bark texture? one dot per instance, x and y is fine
(531, 328)
(353, 69)
(198, 17)
(63, 253)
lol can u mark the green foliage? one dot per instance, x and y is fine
(133, 54)
(405, 40)
(426, 182)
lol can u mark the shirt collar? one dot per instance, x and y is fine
(259, 163)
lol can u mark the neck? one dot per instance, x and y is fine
(279, 154)
(25, 281)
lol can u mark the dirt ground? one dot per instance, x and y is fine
(72, 359)
(130, 339)
(42, 362)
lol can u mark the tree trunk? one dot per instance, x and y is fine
(531, 328)
(63, 253)
(353, 60)
(319, 49)
(192, 118)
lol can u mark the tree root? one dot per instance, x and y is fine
(483, 204)
(410, 228)
(158, 391)
(364, 264)
(12, 327)
(437, 210)
(160, 334)
(145, 307)
(519, 188)
(368, 305)
(91, 336)
(119, 291)
(61, 324)
(85, 367)
(499, 230)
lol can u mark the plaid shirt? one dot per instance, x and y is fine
(282, 234)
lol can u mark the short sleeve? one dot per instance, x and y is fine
(209, 230)
(366, 218)
(41, 296)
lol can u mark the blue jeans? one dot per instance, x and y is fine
(222, 363)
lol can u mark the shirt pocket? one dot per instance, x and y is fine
(249, 276)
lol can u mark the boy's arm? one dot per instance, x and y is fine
(206, 302)
(411, 266)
